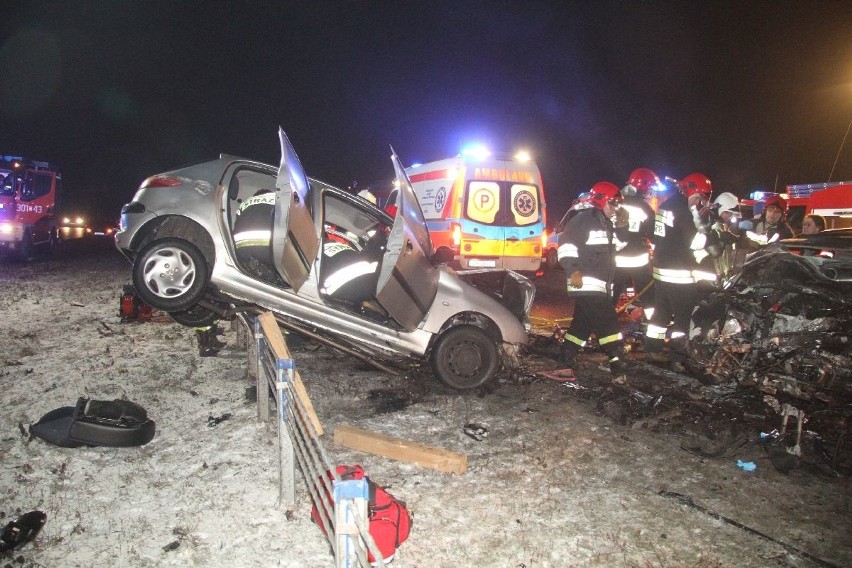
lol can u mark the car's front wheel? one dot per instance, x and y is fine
(465, 357)
(170, 274)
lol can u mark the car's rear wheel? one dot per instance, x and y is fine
(196, 316)
(465, 357)
(170, 274)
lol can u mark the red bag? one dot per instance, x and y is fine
(389, 519)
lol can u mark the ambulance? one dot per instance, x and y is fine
(489, 210)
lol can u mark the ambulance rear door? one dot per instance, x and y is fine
(502, 217)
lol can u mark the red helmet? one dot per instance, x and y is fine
(777, 201)
(696, 183)
(644, 180)
(602, 192)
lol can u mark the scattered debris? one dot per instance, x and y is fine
(560, 375)
(476, 431)
(216, 420)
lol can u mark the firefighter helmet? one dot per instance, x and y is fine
(696, 184)
(777, 201)
(603, 192)
(643, 180)
(727, 202)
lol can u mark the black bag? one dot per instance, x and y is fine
(115, 423)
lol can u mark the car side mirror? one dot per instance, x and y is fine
(443, 255)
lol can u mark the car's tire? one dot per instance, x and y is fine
(465, 357)
(551, 260)
(196, 316)
(170, 274)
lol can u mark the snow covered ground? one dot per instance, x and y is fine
(555, 483)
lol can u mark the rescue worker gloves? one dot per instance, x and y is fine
(576, 279)
(622, 217)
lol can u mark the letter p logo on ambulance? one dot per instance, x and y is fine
(484, 200)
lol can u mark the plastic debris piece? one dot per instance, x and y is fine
(22, 530)
(746, 466)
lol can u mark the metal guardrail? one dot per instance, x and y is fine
(341, 505)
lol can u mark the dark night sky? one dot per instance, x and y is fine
(745, 92)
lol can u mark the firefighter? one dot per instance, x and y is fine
(728, 251)
(587, 248)
(253, 236)
(678, 245)
(351, 274)
(773, 226)
(635, 227)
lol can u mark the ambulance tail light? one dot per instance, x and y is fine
(455, 235)
(544, 237)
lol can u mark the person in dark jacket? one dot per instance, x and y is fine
(678, 248)
(773, 226)
(635, 227)
(587, 248)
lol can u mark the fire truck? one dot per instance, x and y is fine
(833, 201)
(29, 193)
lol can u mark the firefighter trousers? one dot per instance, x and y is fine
(674, 305)
(593, 312)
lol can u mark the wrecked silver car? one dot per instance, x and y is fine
(329, 264)
(784, 323)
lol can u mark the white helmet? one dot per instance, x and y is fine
(727, 202)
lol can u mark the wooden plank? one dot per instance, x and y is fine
(279, 349)
(398, 449)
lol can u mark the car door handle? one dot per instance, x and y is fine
(513, 239)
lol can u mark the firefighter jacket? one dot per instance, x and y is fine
(588, 244)
(678, 244)
(253, 225)
(636, 234)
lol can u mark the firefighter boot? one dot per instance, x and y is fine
(568, 353)
(619, 364)
(679, 349)
(204, 348)
(653, 349)
(213, 339)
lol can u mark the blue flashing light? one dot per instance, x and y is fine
(478, 151)
(415, 165)
(757, 195)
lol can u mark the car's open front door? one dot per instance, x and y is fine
(408, 281)
(295, 241)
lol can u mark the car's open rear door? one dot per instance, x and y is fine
(408, 281)
(295, 241)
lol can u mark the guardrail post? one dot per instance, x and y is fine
(284, 369)
(350, 499)
(262, 381)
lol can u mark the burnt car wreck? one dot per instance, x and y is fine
(783, 328)
(783, 324)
